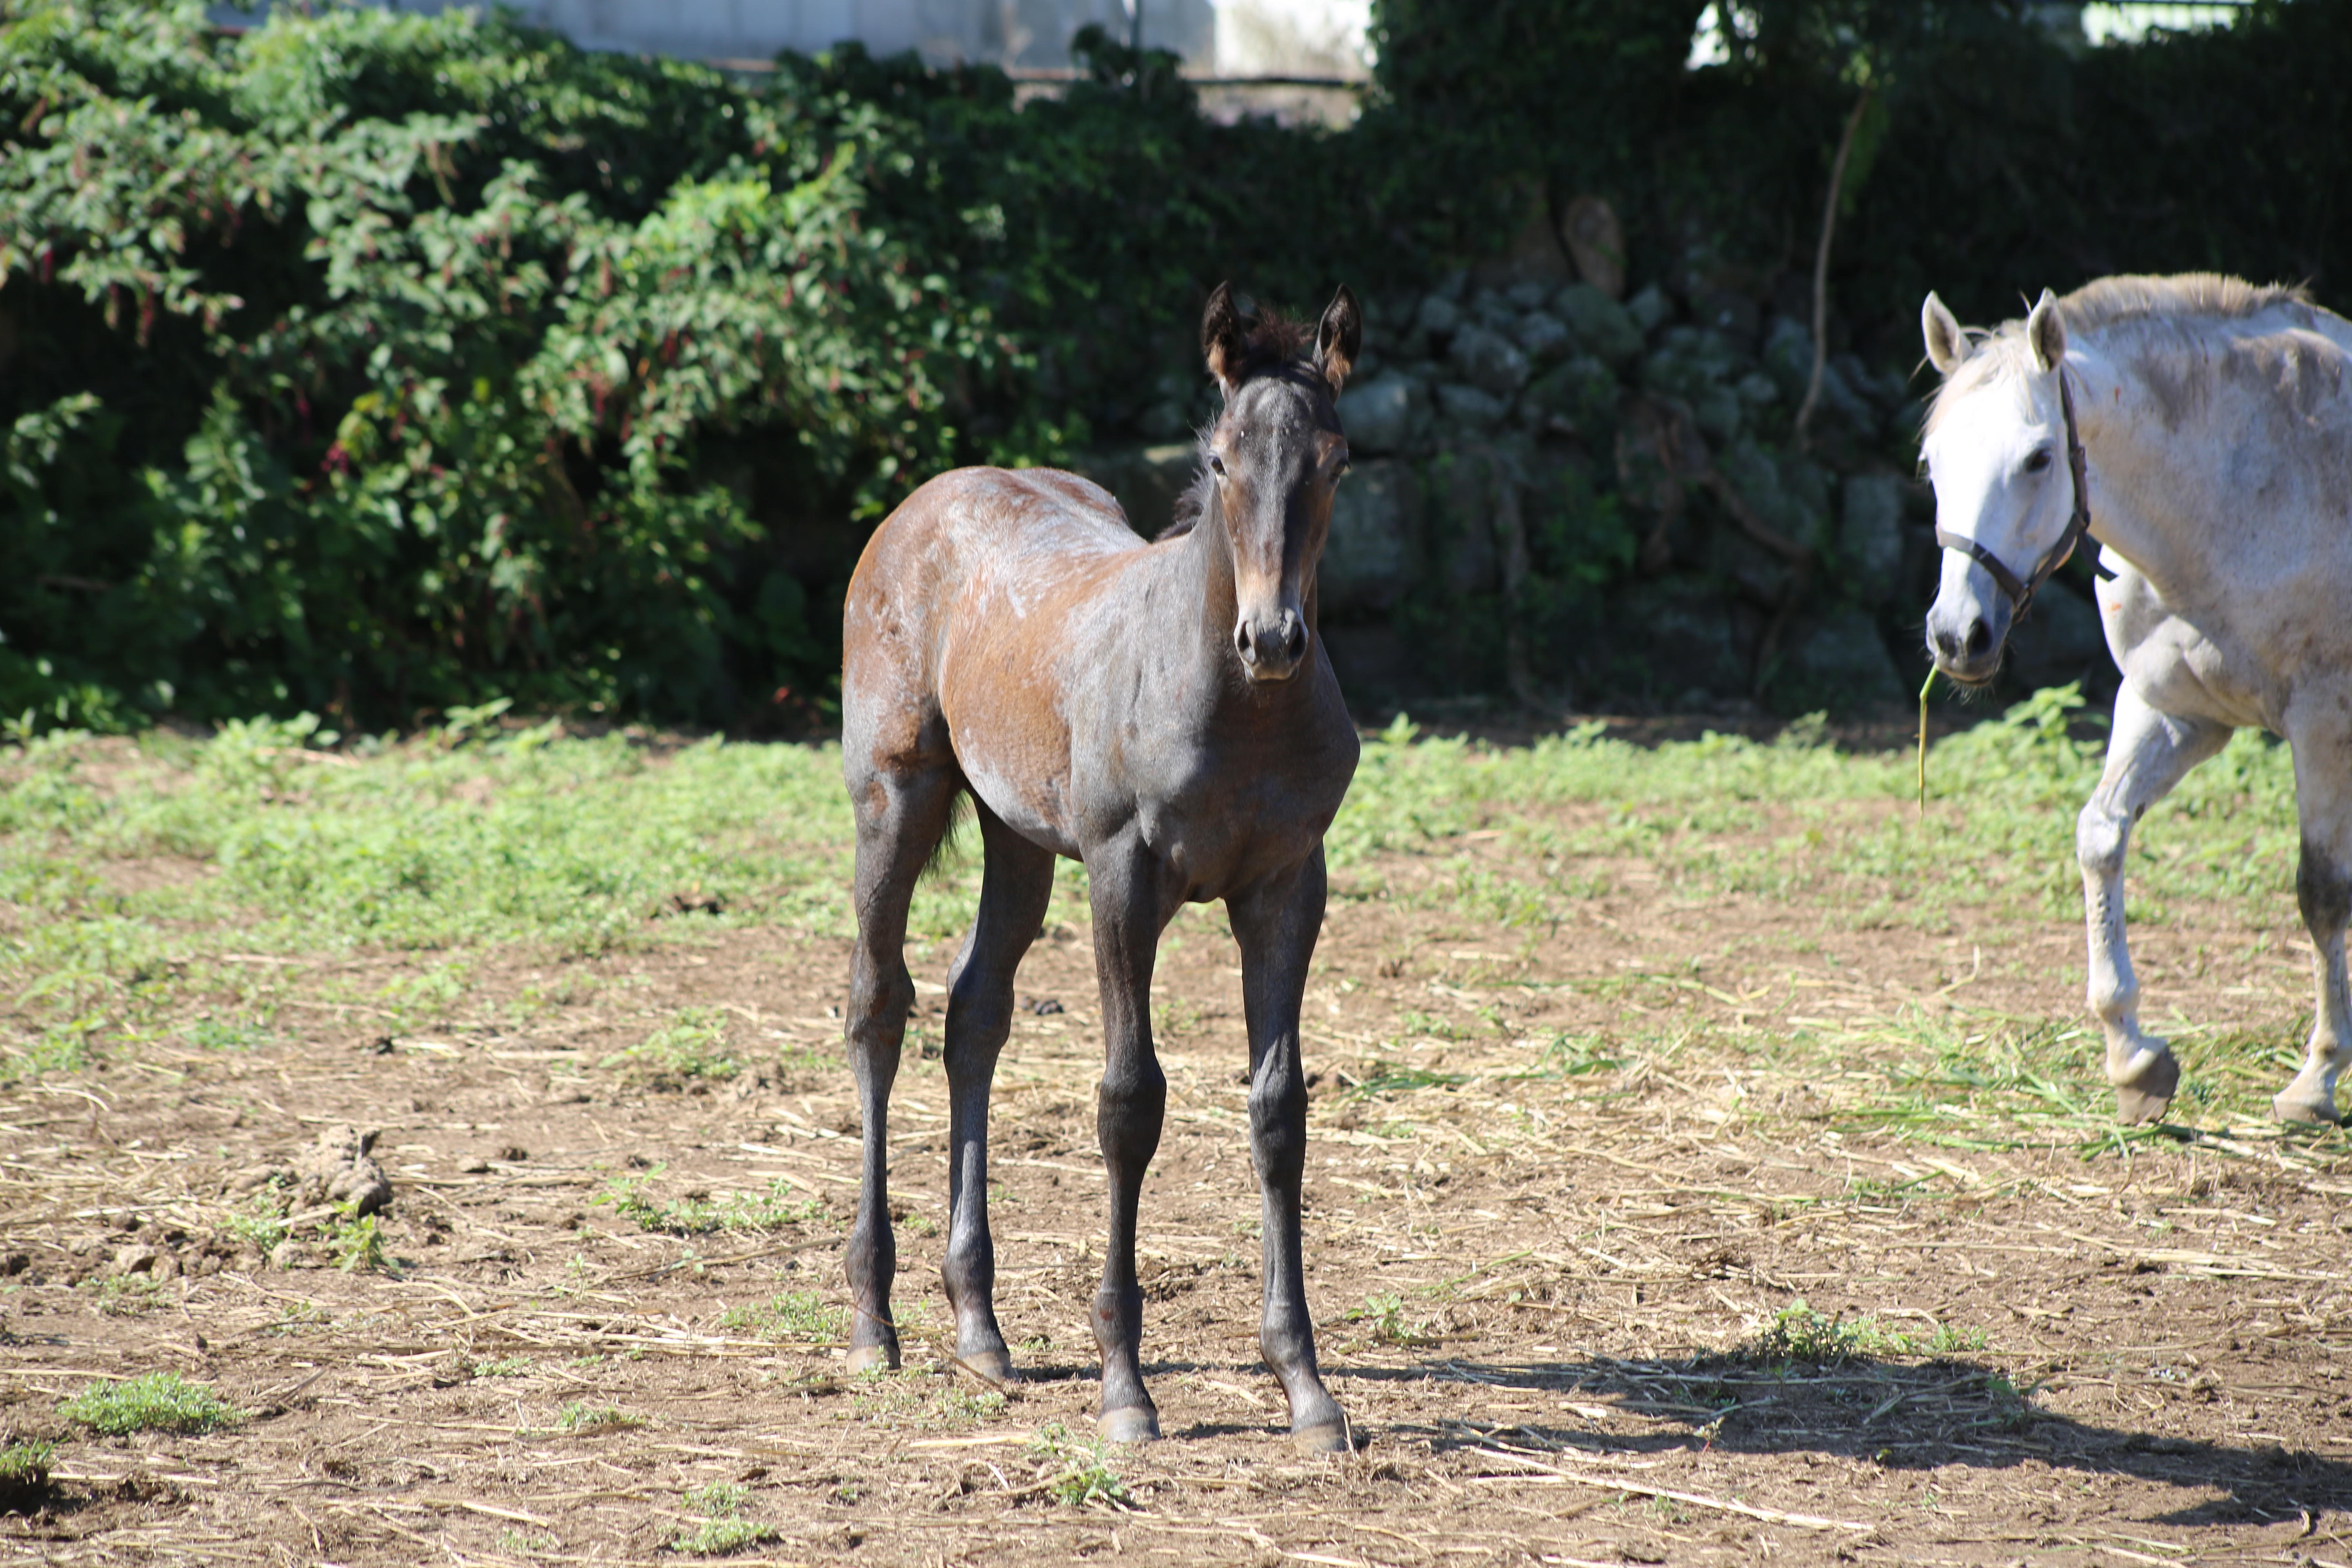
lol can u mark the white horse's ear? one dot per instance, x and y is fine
(1947, 344)
(2046, 332)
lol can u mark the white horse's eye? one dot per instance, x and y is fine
(2038, 461)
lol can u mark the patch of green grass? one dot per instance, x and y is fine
(1077, 1470)
(718, 1499)
(1801, 1336)
(261, 1223)
(922, 1401)
(587, 1420)
(1386, 1077)
(1385, 1319)
(125, 1295)
(718, 1537)
(691, 1046)
(153, 1401)
(796, 1316)
(698, 1214)
(506, 1366)
(357, 1245)
(24, 1475)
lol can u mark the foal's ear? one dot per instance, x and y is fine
(1337, 337)
(1221, 336)
(1947, 344)
(2046, 332)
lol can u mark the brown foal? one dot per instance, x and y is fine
(1163, 712)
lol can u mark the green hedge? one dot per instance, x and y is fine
(374, 363)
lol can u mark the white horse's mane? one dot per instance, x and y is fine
(2132, 304)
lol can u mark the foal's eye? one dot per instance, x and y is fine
(2038, 461)
(1216, 465)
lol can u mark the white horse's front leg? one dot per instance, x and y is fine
(2323, 886)
(2147, 753)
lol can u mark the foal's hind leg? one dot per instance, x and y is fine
(1013, 892)
(2323, 885)
(2147, 753)
(902, 809)
(1276, 922)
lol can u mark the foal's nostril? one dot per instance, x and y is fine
(1293, 642)
(1243, 644)
(1980, 638)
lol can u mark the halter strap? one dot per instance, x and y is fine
(2019, 591)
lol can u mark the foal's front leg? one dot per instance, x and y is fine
(2147, 753)
(1276, 922)
(1129, 911)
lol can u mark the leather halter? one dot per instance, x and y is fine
(2019, 591)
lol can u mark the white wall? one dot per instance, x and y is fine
(1229, 37)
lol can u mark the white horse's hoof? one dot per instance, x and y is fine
(2306, 1108)
(2145, 1088)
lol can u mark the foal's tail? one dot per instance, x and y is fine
(948, 855)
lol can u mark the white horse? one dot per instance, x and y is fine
(2213, 465)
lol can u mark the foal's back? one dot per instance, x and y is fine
(979, 564)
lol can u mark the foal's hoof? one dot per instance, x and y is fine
(1134, 1424)
(995, 1365)
(1325, 1437)
(2134, 1107)
(873, 1358)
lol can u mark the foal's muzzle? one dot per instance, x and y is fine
(1271, 649)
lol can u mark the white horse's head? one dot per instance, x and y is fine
(1996, 451)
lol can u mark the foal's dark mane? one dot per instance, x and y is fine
(1274, 344)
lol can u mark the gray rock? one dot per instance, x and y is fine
(1841, 665)
(1682, 640)
(1462, 526)
(1369, 557)
(1757, 389)
(1870, 535)
(1489, 360)
(1380, 415)
(1489, 308)
(1731, 313)
(1786, 357)
(1649, 309)
(1787, 495)
(1604, 328)
(1469, 408)
(1544, 336)
(1439, 316)
(1528, 294)
(1698, 365)
(1581, 394)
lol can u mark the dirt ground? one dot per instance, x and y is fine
(1547, 1299)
